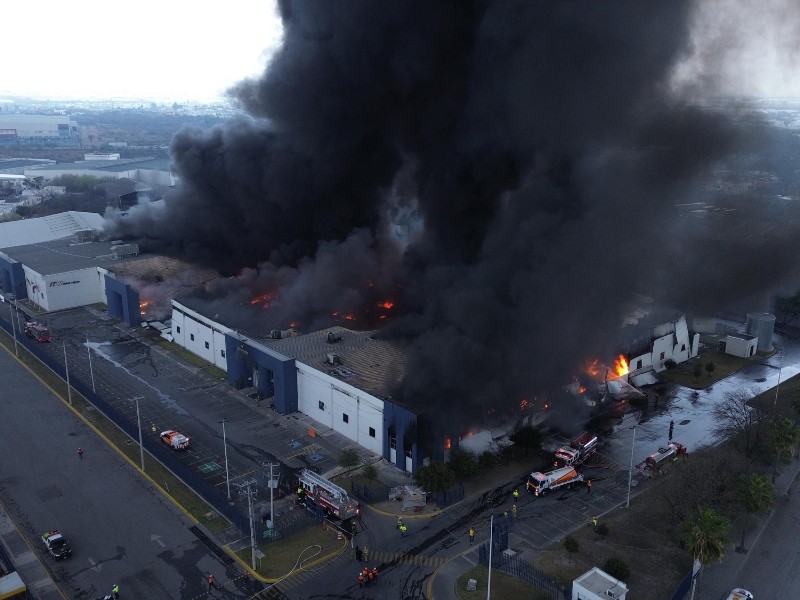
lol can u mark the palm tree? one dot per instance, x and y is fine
(757, 495)
(706, 535)
(785, 436)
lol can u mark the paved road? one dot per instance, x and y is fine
(122, 531)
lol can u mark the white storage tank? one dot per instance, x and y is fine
(762, 326)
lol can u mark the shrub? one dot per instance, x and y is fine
(602, 529)
(370, 473)
(618, 568)
(488, 460)
(348, 458)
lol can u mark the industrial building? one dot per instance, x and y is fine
(341, 378)
(56, 263)
(155, 172)
(656, 339)
(48, 130)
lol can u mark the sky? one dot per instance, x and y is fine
(150, 49)
(179, 50)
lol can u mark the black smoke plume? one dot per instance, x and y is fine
(510, 174)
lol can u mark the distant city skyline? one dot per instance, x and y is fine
(148, 50)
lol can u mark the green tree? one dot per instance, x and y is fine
(488, 460)
(757, 494)
(785, 436)
(697, 370)
(348, 458)
(437, 477)
(710, 367)
(796, 402)
(370, 473)
(464, 464)
(706, 534)
(571, 546)
(618, 568)
(735, 418)
(670, 364)
(527, 437)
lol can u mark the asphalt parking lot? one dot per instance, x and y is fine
(126, 367)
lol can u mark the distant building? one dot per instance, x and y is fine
(155, 172)
(43, 130)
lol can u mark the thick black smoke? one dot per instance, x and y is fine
(507, 172)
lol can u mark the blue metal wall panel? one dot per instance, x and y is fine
(122, 301)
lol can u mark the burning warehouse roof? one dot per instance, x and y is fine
(356, 357)
(535, 180)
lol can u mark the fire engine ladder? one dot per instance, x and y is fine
(319, 481)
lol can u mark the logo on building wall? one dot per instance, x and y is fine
(60, 283)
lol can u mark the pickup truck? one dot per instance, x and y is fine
(56, 544)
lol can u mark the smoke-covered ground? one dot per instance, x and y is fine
(495, 181)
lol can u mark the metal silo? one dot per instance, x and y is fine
(761, 325)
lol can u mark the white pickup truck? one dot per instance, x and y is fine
(56, 544)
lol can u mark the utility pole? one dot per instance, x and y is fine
(249, 491)
(66, 367)
(225, 446)
(272, 485)
(91, 371)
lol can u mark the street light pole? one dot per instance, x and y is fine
(66, 368)
(630, 471)
(491, 543)
(225, 446)
(91, 371)
(11, 309)
(775, 404)
(139, 423)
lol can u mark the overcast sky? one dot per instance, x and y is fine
(180, 50)
(154, 49)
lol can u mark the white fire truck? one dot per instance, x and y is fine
(541, 483)
(334, 500)
(577, 452)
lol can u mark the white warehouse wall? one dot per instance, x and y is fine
(65, 290)
(199, 335)
(364, 412)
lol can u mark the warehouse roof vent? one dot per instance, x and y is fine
(334, 359)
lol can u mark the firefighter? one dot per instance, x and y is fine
(471, 535)
(371, 576)
(514, 511)
(515, 493)
(588, 486)
(361, 580)
(403, 529)
(594, 522)
(374, 573)
(399, 521)
(115, 591)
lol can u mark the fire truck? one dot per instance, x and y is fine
(175, 439)
(333, 500)
(577, 452)
(37, 331)
(670, 452)
(541, 483)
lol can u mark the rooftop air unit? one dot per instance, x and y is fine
(334, 359)
(125, 250)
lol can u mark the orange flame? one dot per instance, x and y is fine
(294, 324)
(447, 443)
(524, 404)
(621, 366)
(143, 307)
(264, 300)
(386, 304)
(581, 389)
(593, 368)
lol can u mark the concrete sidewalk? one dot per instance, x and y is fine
(30, 569)
(720, 578)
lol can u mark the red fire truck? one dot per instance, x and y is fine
(334, 500)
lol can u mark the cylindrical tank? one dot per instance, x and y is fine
(761, 325)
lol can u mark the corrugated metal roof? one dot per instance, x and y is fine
(45, 229)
